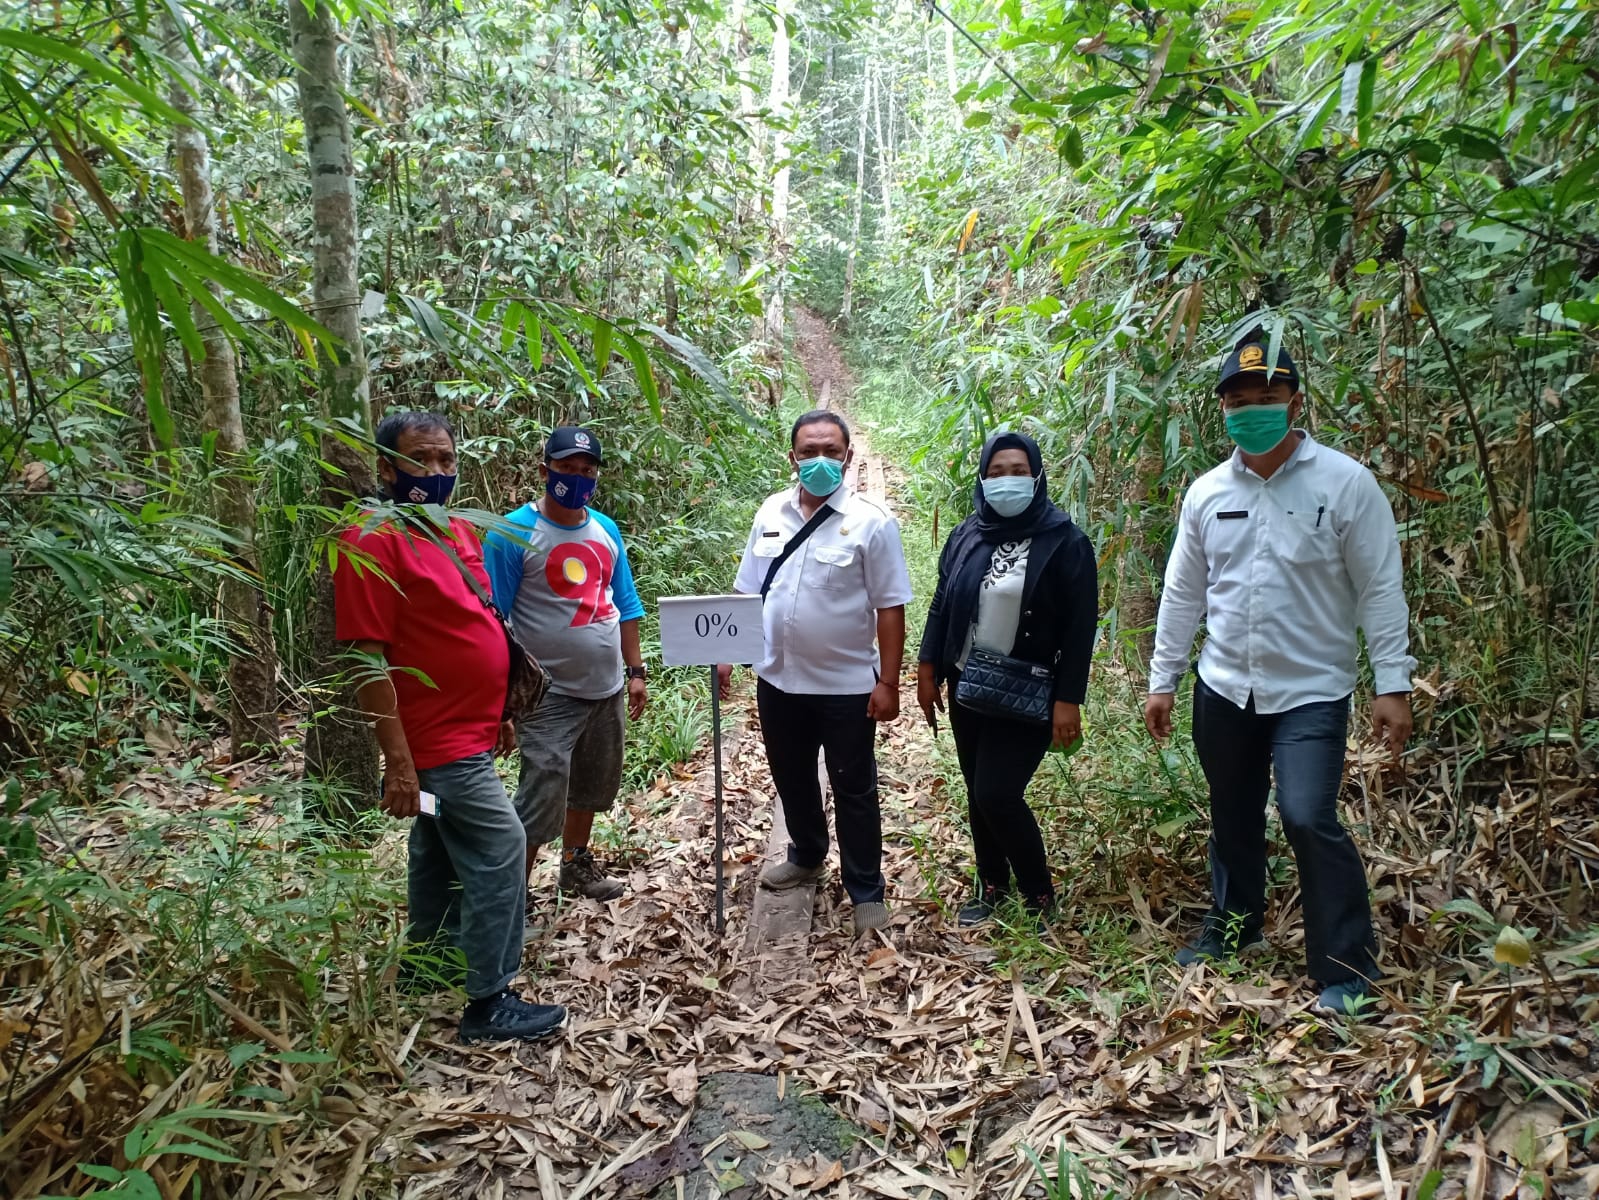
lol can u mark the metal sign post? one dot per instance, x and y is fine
(704, 631)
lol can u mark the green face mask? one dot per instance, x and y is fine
(1257, 428)
(821, 476)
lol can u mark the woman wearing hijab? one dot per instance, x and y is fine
(1017, 583)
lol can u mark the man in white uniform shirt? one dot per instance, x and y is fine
(1285, 549)
(830, 564)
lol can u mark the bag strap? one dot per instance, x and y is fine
(819, 518)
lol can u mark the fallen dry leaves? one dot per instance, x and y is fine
(950, 1056)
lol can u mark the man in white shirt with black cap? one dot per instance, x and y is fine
(830, 564)
(1285, 550)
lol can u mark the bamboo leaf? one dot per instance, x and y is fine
(535, 340)
(644, 372)
(572, 356)
(699, 365)
(144, 329)
(94, 66)
(602, 346)
(1365, 99)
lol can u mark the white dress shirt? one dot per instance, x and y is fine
(1284, 570)
(821, 614)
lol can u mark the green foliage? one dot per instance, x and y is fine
(1399, 193)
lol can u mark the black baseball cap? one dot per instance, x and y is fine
(1250, 359)
(568, 440)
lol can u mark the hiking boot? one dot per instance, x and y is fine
(780, 877)
(1352, 998)
(980, 909)
(869, 916)
(582, 876)
(1211, 945)
(505, 1017)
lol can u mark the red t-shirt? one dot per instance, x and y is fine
(431, 621)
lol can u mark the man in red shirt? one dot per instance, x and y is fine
(402, 599)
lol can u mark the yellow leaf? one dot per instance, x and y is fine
(966, 233)
(1511, 947)
(750, 1141)
(957, 1157)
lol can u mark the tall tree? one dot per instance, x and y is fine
(777, 104)
(860, 194)
(340, 748)
(252, 669)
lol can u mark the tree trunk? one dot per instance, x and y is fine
(777, 102)
(949, 58)
(885, 175)
(340, 749)
(750, 205)
(860, 196)
(1137, 601)
(252, 666)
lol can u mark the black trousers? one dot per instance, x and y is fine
(998, 758)
(1241, 750)
(795, 727)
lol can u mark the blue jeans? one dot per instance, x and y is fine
(467, 877)
(1241, 751)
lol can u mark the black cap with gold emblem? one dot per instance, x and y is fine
(1250, 359)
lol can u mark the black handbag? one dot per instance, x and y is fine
(997, 685)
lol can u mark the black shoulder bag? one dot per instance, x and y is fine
(528, 681)
(819, 518)
(998, 685)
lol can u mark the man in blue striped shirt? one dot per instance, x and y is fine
(563, 579)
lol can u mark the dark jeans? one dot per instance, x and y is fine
(795, 727)
(998, 758)
(1241, 750)
(467, 877)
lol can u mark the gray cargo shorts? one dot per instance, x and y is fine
(571, 758)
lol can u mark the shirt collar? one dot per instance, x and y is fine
(838, 499)
(1304, 452)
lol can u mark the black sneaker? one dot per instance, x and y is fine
(1211, 945)
(505, 1017)
(980, 909)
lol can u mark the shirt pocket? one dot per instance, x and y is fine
(1308, 538)
(766, 547)
(836, 565)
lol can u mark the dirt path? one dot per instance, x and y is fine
(913, 1065)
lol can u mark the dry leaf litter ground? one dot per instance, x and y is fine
(923, 1062)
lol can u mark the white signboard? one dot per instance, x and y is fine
(700, 631)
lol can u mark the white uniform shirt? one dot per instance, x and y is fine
(1284, 570)
(821, 614)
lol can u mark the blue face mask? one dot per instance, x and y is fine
(570, 491)
(422, 489)
(820, 476)
(1009, 495)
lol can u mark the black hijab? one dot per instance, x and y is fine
(973, 542)
(1033, 520)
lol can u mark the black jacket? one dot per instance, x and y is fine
(1060, 608)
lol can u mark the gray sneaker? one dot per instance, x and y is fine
(869, 916)
(582, 876)
(780, 877)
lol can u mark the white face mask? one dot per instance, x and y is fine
(1009, 495)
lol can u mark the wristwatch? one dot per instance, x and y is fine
(638, 672)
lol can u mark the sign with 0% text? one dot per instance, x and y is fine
(699, 631)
